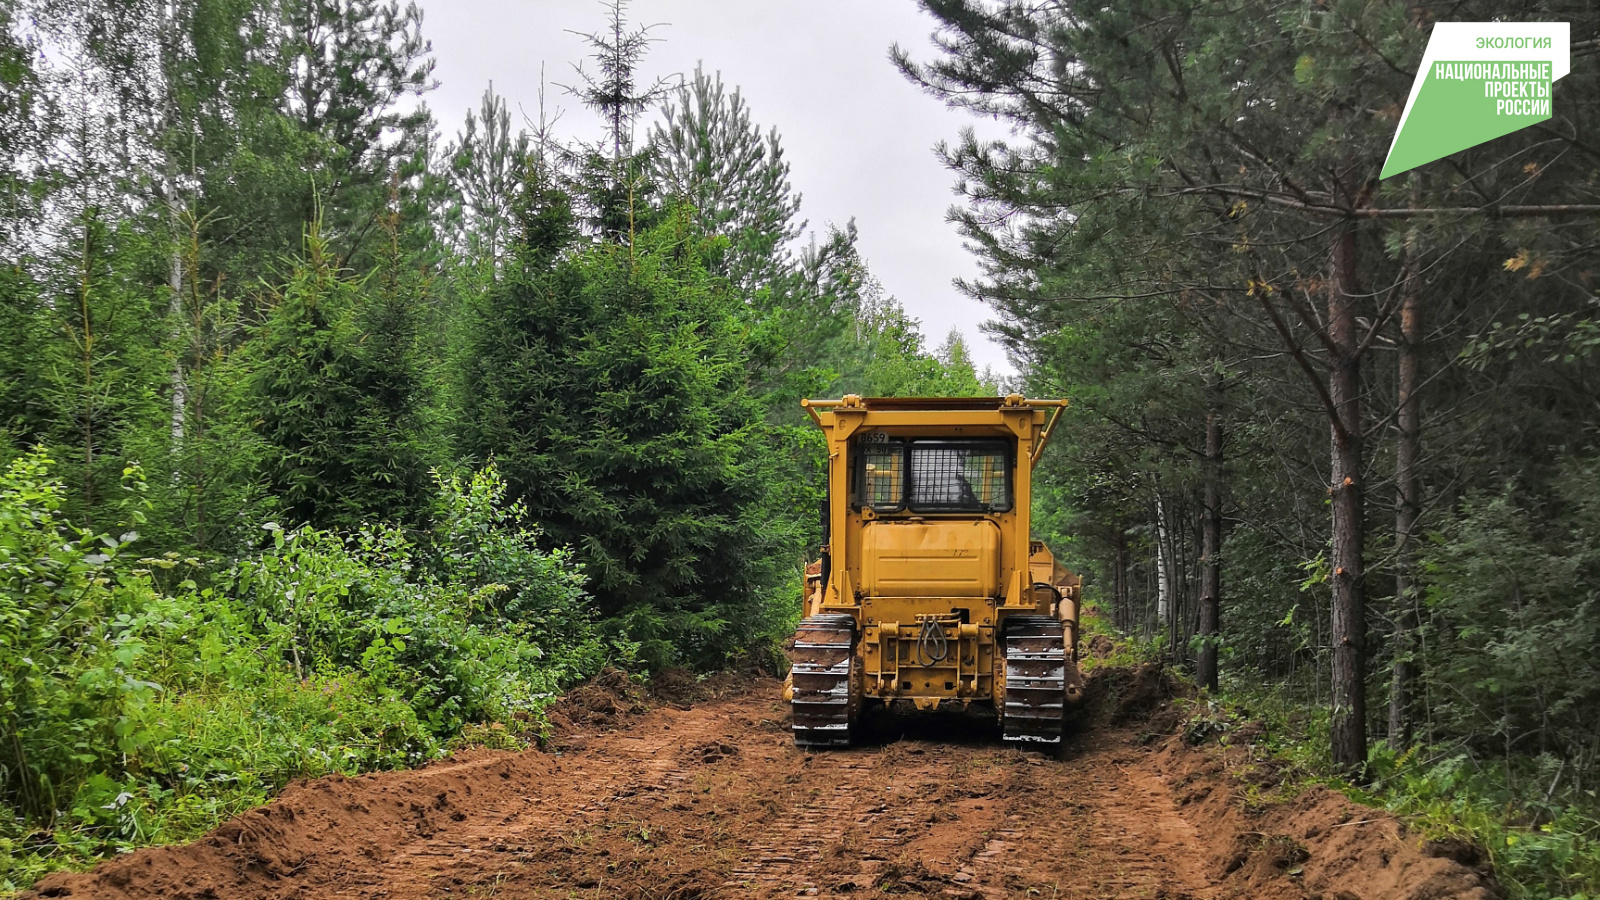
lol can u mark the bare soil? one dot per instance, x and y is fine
(700, 794)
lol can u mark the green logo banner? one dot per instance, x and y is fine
(1478, 81)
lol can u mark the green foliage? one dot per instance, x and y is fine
(451, 638)
(99, 358)
(1541, 847)
(486, 163)
(890, 358)
(132, 713)
(338, 395)
(62, 689)
(609, 385)
(1292, 730)
(21, 378)
(350, 71)
(220, 268)
(480, 540)
(1514, 598)
(707, 152)
(1541, 850)
(1126, 650)
(1155, 242)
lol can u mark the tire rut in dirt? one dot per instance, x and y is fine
(804, 832)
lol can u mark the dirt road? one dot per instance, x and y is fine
(714, 801)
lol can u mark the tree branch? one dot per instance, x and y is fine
(1305, 364)
(1508, 211)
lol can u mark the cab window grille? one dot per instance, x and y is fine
(959, 476)
(883, 475)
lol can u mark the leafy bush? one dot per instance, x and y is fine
(65, 684)
(453, 639)
(1541, 849)
(478, 541)
(1514, 658)
(136, 714)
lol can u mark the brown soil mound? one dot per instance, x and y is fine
(683, 688)
(714, 801)
(1316, 844)
(1143, 694)
(1101, 646)
(333, 823)
(603, 703)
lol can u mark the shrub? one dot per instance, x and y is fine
(1513, 649)
(134, 714)
(1541, 850)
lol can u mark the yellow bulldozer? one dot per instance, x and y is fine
(929, 592)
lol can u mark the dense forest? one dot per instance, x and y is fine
(1330, 434)
(334, 437)
(329, 443)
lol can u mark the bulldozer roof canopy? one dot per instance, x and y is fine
(936, 403)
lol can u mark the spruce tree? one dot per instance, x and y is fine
(608, 384)
(97, 336)
(611, 177)
(204, 452)
(394, 440)
(338, 394)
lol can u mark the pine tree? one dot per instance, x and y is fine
(486, 164)
(352, 65)
(1228, 161)
(708, 153)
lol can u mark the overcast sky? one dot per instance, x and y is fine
(859, 138)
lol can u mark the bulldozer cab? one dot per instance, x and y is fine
(927, 592)
(933, 475)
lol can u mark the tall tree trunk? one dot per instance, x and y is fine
(174, 198)
(1121, 615)
(1407, 509)
(1349, 722)
(1211, 540)
(180, 384)
(1164, 563)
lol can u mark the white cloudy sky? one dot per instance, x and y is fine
(859, 137)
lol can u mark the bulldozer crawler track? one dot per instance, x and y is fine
(823, 679)
(1033, 708)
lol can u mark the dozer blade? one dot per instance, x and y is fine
(824, 656)
(1034, 706)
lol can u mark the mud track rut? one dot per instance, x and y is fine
(714, 801)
